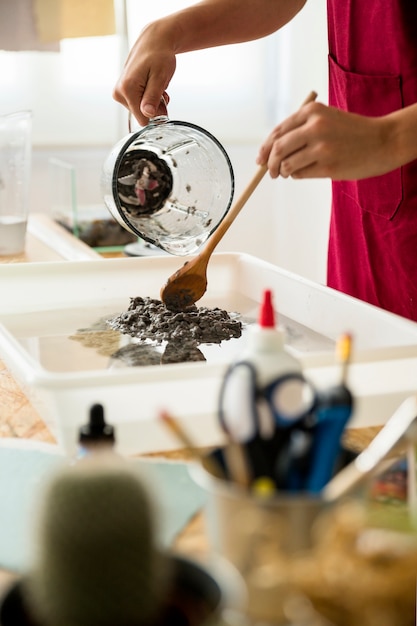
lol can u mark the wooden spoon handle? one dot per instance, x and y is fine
(229, 218)
(235, 209)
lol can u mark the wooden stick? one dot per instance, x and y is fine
(174, 426)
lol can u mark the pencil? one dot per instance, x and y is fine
(343, 352)
(174, 426)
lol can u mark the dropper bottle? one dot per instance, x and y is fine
(96, 435)
(265, 345)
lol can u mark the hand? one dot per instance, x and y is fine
(319, 141)
(148, 70)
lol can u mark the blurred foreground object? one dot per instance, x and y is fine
(97, 562)
(363, 567)
(351, 561)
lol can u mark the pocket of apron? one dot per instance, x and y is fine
(374, 96)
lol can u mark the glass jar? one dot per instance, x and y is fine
(171, 183)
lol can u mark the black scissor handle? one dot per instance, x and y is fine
(292, 397)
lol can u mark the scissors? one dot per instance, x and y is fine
(263, 419)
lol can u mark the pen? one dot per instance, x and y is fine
(335, 407)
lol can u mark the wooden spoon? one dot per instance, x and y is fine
(189, 283)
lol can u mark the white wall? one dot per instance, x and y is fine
(303, 207)
(287, 221)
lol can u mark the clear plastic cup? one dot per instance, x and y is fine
(15, 168)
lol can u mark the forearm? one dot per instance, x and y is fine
(401, 136)
(152, 60)
(213, 23)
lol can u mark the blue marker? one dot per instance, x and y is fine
(335, 407)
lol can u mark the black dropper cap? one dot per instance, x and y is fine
(96, 430)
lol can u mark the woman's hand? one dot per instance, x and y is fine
(148, 70)
(319, 141)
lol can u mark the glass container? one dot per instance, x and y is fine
(171, 183)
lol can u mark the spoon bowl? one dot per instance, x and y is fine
(186, 286)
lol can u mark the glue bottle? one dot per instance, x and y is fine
(250, 418)
(267, 359)
(96, 435)
(265, 345)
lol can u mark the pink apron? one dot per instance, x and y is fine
(373, 231)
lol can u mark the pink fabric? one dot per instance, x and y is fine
(373, 230)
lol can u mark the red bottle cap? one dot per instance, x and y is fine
(266, 311)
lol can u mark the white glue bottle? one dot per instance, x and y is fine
(265, 345)
(268, 360)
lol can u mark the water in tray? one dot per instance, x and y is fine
(79, 339)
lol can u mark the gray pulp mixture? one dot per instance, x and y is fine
(149, 319)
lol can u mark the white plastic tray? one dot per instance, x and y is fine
(44, 304)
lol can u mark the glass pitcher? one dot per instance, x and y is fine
(171, 183)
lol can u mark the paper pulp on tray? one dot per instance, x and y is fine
(54, 339)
